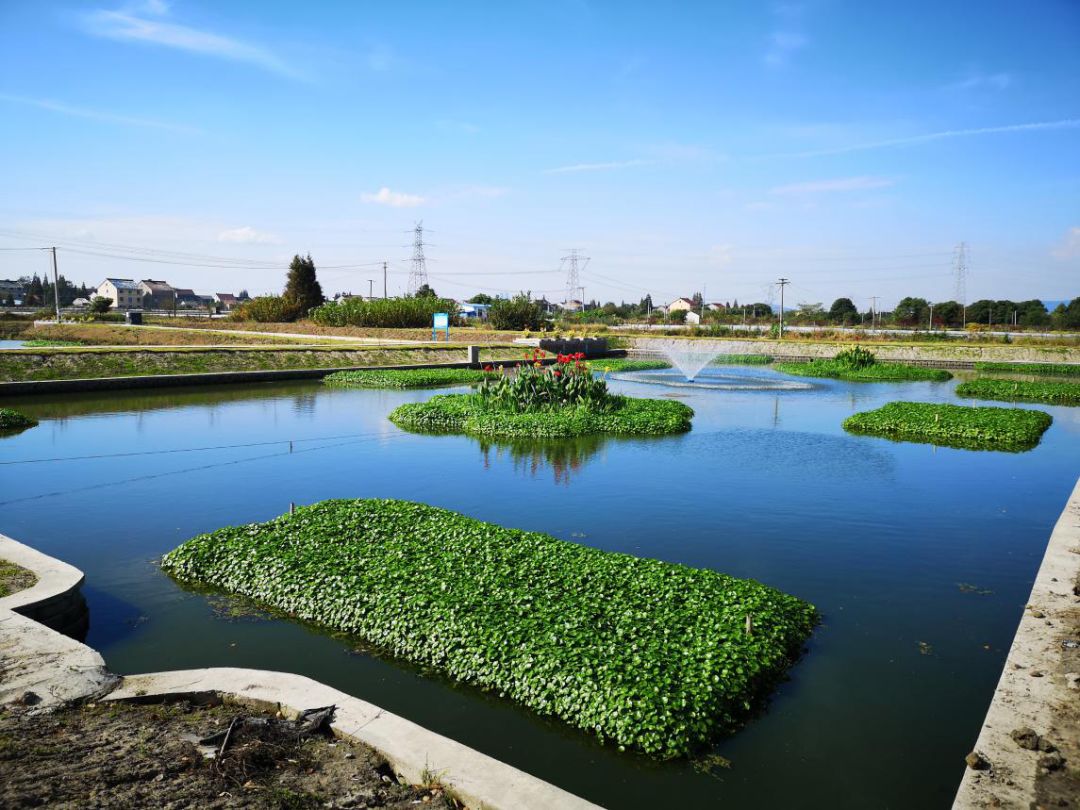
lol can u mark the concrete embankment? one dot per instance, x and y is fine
(1028, 750)
(43, 669)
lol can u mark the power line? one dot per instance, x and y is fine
(573, 280)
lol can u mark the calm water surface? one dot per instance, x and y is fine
(886, 539)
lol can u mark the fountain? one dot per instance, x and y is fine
(688, 358)
(692, 358)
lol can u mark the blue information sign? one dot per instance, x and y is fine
(440, 320)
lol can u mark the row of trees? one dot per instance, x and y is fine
(41, 292)
(920, 313)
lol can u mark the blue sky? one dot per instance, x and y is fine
(848, 146)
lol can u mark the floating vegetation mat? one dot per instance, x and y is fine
(649, 655)
(969, 428)
(1051, 393)
(405, 378)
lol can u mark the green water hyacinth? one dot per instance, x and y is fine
(605, 364)
(470, 413)
(405, 378)
(1051, 369)
(875, 372)
(649, 655)
(1051, 393)
(969, 428)
(11, 419)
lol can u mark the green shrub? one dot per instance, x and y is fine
(384, 313)
(405, 378)
(1051, 393)
(468, 413)
(533, 387)
(878, 372)
(650, 655)
(855, 357)
(1012, 429)
(1054, 369)
(518, 313)
(268, 309)
(11, 419)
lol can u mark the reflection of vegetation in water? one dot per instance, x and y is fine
(565, 457)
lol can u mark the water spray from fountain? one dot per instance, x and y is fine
(685, 356)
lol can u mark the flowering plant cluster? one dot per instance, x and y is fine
(536, 387)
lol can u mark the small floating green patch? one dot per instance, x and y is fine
(1051, 369)
(11, 419)
(470, 413)
(1051, 393)
(625, 364)
(405, 378)
(876, 372)
(969, 428)
(653, 656)
(741, 360)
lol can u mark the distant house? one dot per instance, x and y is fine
(187, 299)
(715, 306)
(157, 294)
(548, 307)
(680, 303)
(474, 311)
(80, 303)
(228, 301)
(13, 288)
(125, 293)
(572, 306)
(693, 317)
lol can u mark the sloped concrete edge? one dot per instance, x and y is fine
(1035, 682)
(56, 580)
(415, 752)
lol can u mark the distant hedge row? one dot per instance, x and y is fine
(384, 313)
(653, 656)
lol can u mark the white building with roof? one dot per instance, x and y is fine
(125, 293)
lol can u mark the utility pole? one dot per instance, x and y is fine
(418, 273)
(384, 279)
(873, 312)
(783, 283)
(370, 288)
(56, 285)
(931, 317)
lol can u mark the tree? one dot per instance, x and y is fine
(698, 300)
(912, 312)
(517, 313)
(425, 292)
(35, 293)
(302, 287)
(1067, 316)
(677, 316)
(10, 300)
(99, 304)
(646, 305)
(481, 298)
(759, 310)
(948, 313)
(843, 311)
(1032, 313)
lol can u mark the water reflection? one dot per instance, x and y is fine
(564, 457)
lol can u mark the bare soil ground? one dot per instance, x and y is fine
(117, 755)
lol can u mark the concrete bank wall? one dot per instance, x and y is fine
(44, 669)
(1028, 750)
(942, 355)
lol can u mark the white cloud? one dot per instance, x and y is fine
(96, 115)
(838, 184)
(598, 167)
(978, 81)
(127, 26)
(782, 46)
(1066, 123)
(394, 199)
(1069, 248)
(249, 236)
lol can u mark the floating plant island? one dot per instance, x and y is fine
(12, 420)
(564, 399)
(405, 378)
(649, 655)
(1050, 393)
(962, 426)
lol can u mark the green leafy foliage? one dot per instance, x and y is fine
(1051, 393)
(855, 357)
(534, 387)
(384, 313)
(878, 372)
(11, 419)
(741, 360)
(653, 656)
(405, 378)
(301, 285)
(518, 313)
(1053, 369)
(625, 364)
(1012, 429)
(268, 309)
(469, 413)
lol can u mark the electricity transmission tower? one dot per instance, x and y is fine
(573, 280)
(960, 269)
(418, 272)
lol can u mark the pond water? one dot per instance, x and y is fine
(11, 344)
(919, 558)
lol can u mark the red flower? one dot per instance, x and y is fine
(557, 373)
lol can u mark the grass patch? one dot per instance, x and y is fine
(1050, 393)
(741, 360)
(605, 364)
(1011, 429)
(1052, 369)
(468, 413)
(647, 654)
(405, 378)
(877, 372)
(14, 578)
(48, 344)
(11, 419)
